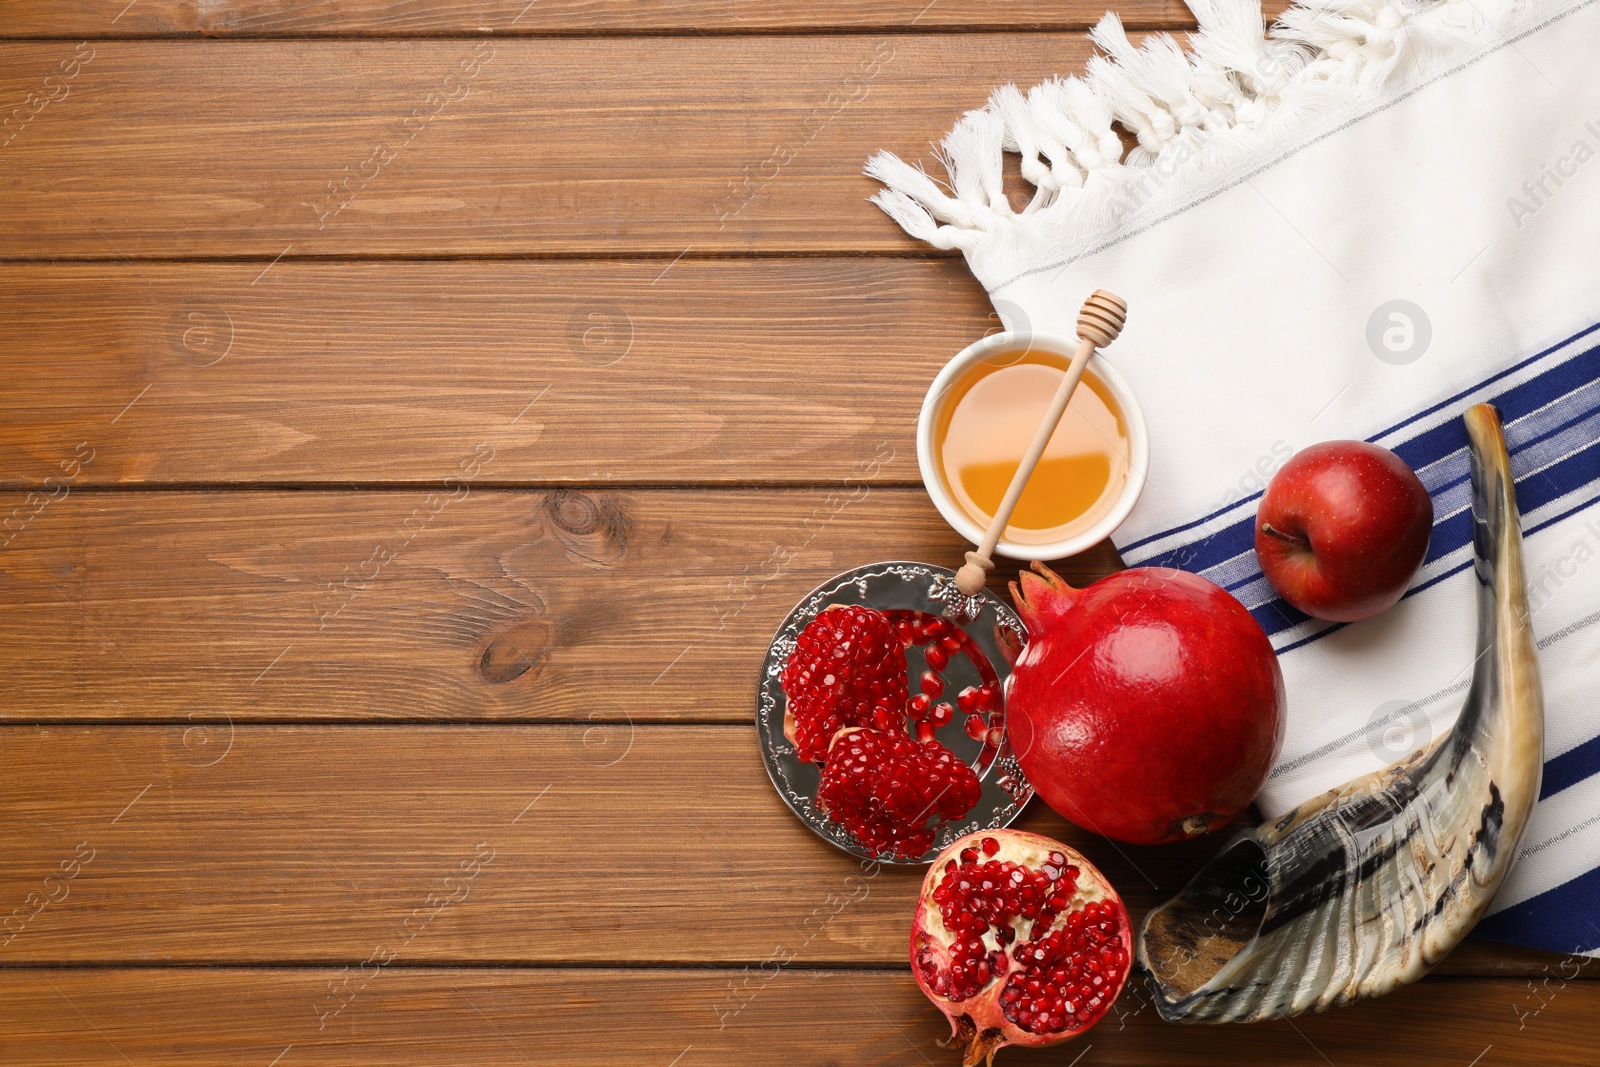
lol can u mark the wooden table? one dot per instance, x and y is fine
(417, 417)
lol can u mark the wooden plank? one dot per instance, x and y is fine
(458, 605)
(310, 844)
(553, 146)
(405, 1016)
(539, 845)
(295, 18)
(752, 371)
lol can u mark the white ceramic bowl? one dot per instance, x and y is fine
(933, 478)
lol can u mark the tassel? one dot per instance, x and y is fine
(1242, 94)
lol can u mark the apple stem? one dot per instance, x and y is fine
(1288, 538)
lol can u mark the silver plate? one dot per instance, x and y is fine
(990, 623)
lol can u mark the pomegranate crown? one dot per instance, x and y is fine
(1042, 596)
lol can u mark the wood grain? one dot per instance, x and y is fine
(566, 1018)
(294, 18)
(462, 845)
(505, 148)
(467, 604)
(752, 371)
(311, 844)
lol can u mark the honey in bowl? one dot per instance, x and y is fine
(988, 420)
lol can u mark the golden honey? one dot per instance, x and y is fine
(988, 420)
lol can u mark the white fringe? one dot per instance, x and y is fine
(1239, 98)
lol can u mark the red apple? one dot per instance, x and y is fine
(1342, 529)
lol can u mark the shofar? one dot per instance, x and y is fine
(1368, 886)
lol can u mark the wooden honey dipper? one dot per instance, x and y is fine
(1099, 323)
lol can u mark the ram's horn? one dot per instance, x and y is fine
(1368, 886)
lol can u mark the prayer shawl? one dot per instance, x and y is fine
(1353, 226)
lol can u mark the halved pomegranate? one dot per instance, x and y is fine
(1019, 941)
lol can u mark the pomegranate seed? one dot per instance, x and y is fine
(990, 846)
(977, 727)
(967, 699)
(932, 684)
(953, 643)
(919, 706)
(942, 715)
(995, 737)
(937, 626)
(926, 732)
(937, 657)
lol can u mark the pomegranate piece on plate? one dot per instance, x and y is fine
(885, 787)
(1018, 940)
(848, 668)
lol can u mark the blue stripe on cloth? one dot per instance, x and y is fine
(1539, 441)
(1219, 547)
(1501, 376)
(1570, 768)
(1277, 615)
(1444, 442)
(1527, 531)
(1559, 920)
(1573, 380)
(1402, 424)
(1320, 633)
(1455, 532)
(1201, 521)
(1515, 403)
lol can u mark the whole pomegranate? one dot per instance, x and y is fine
(1148, 707)
(1018, 940)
